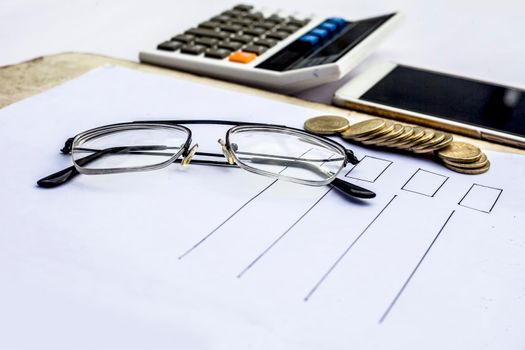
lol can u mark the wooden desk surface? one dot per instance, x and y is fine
(32, 77)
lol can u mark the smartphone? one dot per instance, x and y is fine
(443, 101)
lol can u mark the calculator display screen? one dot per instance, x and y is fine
(301, 54)
(467, 101)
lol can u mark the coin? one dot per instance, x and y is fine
(460, 152)
(407, 132)
(476, 171)
(386, 129)
(480, 163)
(429, 134)
(363, 128)
(426, 146)
(418, 133)
(326, 124)
(397, 129)
(446, 141)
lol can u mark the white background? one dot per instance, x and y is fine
(481, 39)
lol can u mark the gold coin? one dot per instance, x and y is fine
(446, 141)
(426, 146)
(429, 134)
(460, 152)
(418, 133)
(480, 163)
(476, 171)
(407, 132)
(363, 128)
(326, 124)
(387, 128)
(397, 129)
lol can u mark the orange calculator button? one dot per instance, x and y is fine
(242, 57)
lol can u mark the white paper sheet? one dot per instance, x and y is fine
(218, 258)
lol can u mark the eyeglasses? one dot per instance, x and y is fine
(270, 150)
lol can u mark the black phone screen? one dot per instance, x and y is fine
(446, 96)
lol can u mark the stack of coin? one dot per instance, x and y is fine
(384, 133)
(464, 158)
(457, 156)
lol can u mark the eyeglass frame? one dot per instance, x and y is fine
(63, 176)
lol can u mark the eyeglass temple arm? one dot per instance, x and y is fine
(64, 175)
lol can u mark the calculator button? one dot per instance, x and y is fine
(233, 13)
(206, 41)
(169, 46)
(221, 19)
(338, 21)
(297, 22)
(217, 53)
(232, 28)
(265, 25)
(255, 49)
(329, 27)
(256, 16)
(254, 31)
(207, 33)
(183, 38)
(321, 33)
(266, 42)
(243, 8)
(277, 35)
(242, 57)
(288, 28)
(209, 25)
(275, 19)
(245, 22)
(309, 39)
(192, 49)
(229, 45)
(245, 39)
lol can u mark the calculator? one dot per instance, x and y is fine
(271, 49)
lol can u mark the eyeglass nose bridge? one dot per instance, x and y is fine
(226, 151)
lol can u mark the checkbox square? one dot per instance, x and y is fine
(481, 198)
(369, 169)
(425, 182)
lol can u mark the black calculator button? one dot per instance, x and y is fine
(243, 8)
(288, 28)
(217, 53)
(192, 49)
(277, 35)
(233, 13)
(245, 39)
(229, 45)
(169, 46)
(265, 25)
(256, 16)
(221, 19)
(208, 33)
(245, 22)
(254, 31)
(255, 49)
(232, 28)
(275, 19)
(297, 22)
(184, 38)
(206, 41)
(266, 42)
(209, 25)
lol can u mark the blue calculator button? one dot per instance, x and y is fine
(328, 26)
(310, 39)
(338, 21)
(321, 33)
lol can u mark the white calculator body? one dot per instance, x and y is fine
(272, 50)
